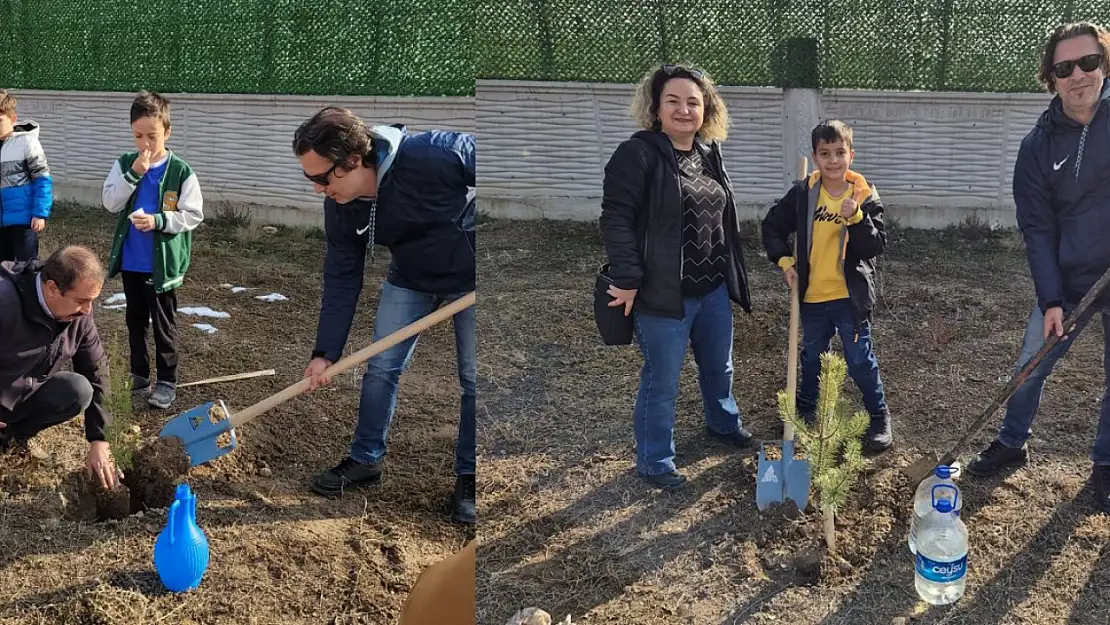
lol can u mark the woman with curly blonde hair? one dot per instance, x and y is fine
(671, 233)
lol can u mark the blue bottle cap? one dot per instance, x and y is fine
(943, 506)
(944, 472)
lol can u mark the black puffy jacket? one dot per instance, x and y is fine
(641, 224)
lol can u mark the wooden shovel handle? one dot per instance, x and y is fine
(1069, 330)
(795, 314)
(358, 357)
(230, 378)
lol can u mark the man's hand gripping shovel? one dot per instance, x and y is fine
(200, 428)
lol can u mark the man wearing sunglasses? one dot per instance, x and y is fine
(413, 193)
(1062, 192)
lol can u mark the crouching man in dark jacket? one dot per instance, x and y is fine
(46, 321)
(411, 192)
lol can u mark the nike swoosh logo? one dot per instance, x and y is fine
(1057, 166)
(362, 231)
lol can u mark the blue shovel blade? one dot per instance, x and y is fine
(199, 430)
(797, 477)
(769, 479)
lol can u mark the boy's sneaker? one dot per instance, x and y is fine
(139, 384)
(996, 458)
(878, 437)
(163, 395)
(666, 481)
(349, 473)
(462, 503)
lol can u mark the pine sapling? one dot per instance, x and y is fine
(833, 443)
(118, 402)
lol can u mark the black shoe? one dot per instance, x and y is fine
(740, 438)
(139, 384)
(349, 473)
(465, 510)
(878, 437)
(1101, 479)
(996, 458)
(667, 481)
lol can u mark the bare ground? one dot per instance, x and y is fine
(279, 553)
(567, 527)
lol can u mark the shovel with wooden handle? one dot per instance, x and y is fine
(200, 428)
(787, 479)
(924, 466)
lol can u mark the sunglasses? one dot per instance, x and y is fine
(323, 179)
(671, 69)
(1088, 63)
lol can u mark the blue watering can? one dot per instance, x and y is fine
(181, 551)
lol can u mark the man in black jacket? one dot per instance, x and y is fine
(413, 194)
(1062, 192)
(46, 321)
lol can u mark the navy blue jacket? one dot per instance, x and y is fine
(1062, 192)
(424, 214)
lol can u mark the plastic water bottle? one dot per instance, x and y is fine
(181, 550)
(923, 499)
(941, 570)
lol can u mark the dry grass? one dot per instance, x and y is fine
(568, 528)
(280, 554)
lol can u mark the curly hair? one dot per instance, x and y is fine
(1070, 31)
(645, 104)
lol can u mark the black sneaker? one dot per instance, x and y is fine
(1101, 478)
(878, 437)
(996, 458)
(462, 503)
(139, 384)
(740, 438)
(666, 481)
(349, 473)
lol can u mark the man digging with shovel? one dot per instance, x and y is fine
(1062, 192)
(45, 322)
(412, 194)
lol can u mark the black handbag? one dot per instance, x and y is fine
(615, 328)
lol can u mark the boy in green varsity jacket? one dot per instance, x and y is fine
(159, 203)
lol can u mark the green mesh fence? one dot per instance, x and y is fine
(330, 47)
(936, 45)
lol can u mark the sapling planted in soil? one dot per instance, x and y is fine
(832, 444)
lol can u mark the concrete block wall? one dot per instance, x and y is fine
(937, 158)
(239, 145)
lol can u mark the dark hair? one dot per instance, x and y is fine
(149, 104)
(7, 103)
(1070, 31)
(336, 134)
(831, 131)
(70, 265)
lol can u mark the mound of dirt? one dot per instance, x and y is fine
(160, 465)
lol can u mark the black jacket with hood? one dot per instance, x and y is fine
(1062, 193)
(641, 224)
(862, 241)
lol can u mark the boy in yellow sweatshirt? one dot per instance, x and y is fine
(837, 218)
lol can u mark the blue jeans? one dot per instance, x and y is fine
(1022, 407)
(397, 308)
(820, 322)
(707, 326)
